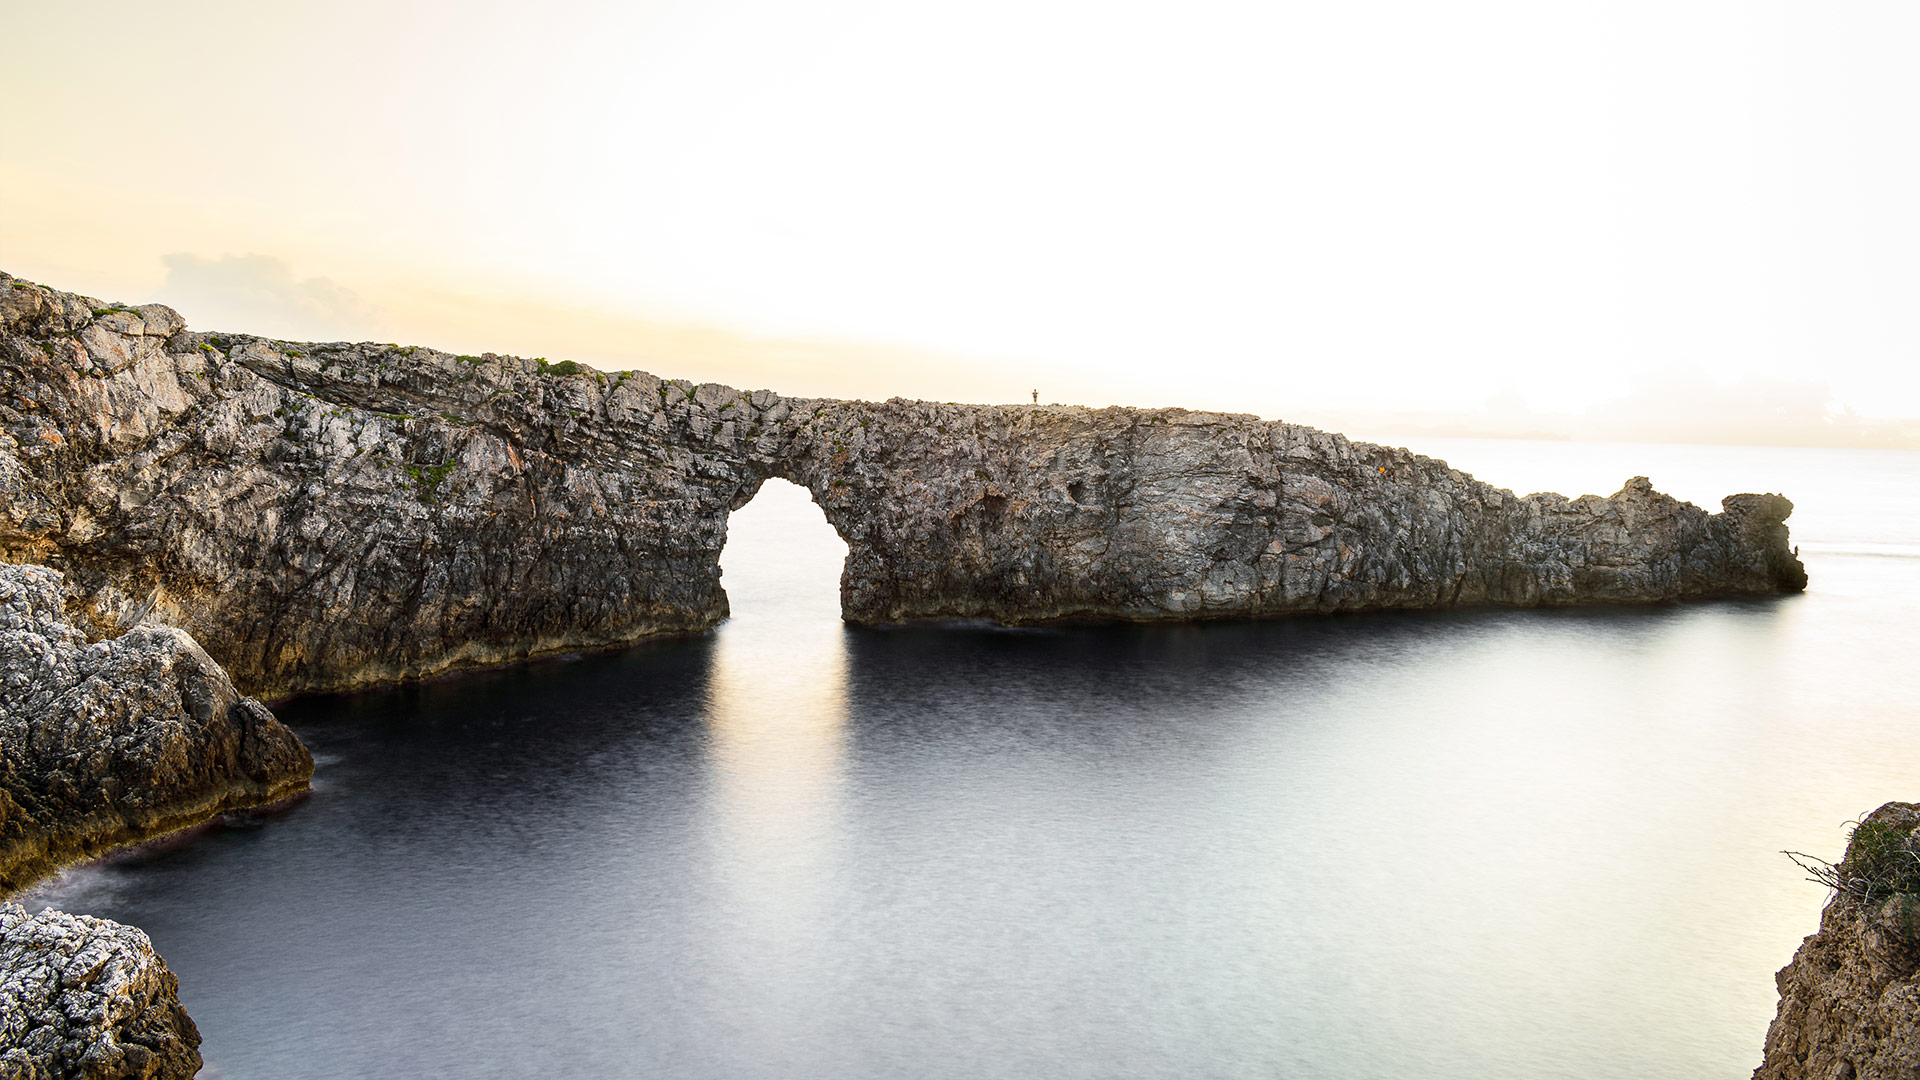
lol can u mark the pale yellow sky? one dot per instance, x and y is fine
(1282, 208)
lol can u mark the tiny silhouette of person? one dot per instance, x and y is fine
(1036, 397)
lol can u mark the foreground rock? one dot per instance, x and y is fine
(1850, 999)
(88, 999)
(119, 741)
(330, 516)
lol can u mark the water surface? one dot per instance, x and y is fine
(1480, 844)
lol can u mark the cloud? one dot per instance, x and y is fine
(259, 294)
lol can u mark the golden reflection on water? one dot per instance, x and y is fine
(776, 718)
(777, 737)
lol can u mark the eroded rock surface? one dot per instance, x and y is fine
(328, 516)
(87, 999)
(1850, 999)
(121, 740)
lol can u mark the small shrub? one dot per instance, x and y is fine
(1881, 861)
(430, 477)
(564, 367)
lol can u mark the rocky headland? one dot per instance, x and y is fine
(87, 999)
(1850, 998)
(328, 516)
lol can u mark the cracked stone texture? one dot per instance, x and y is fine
(86, 999)
(331, 516)
(119, 741)
(1850, 998)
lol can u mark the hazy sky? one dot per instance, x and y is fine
(1273, 207)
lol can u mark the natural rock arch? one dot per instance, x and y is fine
(328, 516)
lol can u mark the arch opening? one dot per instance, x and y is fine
(782, 562)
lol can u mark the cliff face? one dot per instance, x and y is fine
(1850, 998)
(87, 999)
(328, 516)
(119, 741)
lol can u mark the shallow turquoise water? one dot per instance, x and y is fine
(1484, 844)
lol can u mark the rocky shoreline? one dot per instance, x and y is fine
(103, 745)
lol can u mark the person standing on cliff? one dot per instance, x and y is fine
(1036, 397)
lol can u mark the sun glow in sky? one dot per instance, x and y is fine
(1268, 207)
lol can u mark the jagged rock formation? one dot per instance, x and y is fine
(119, 741)
(87, 999)
(1850, 998)
(328, 516)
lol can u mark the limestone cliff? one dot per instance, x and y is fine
(87, 999)
(119, 741)
(1850, 999)
(327, 516)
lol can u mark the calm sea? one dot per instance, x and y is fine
(1479, 845)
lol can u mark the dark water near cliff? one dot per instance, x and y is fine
(1496, 844)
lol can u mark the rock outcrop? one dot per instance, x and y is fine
(118, 741)
(1850, 998)
(87, 999)
(329, 516)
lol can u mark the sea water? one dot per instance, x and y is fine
(1489, 844)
